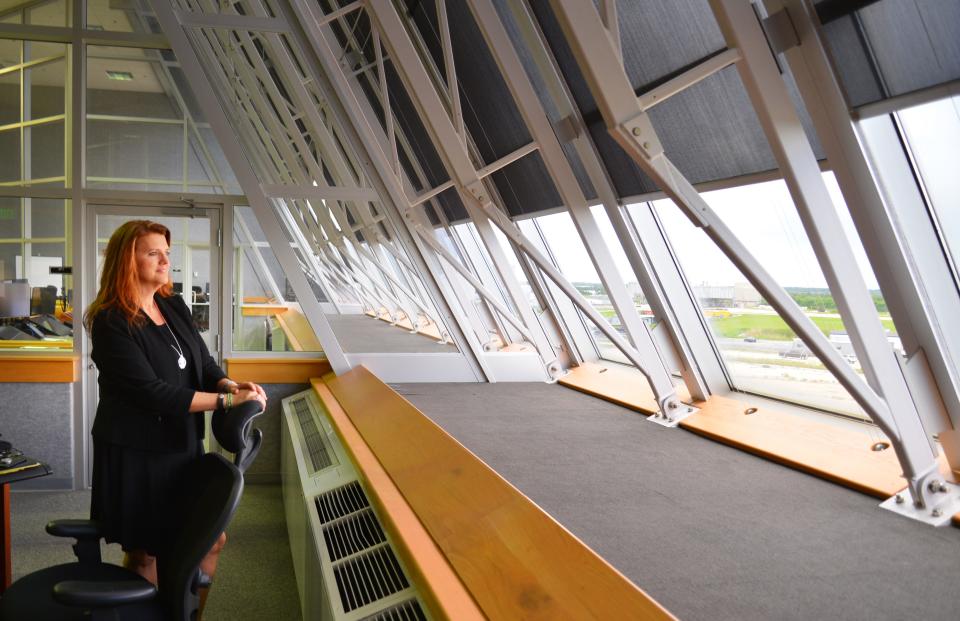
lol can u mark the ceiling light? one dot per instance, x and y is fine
(121, 76)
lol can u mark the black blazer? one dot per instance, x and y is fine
(137, 409)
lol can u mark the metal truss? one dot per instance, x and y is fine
(382, 148)
(920, 311)
(885, 396)
(262, 206)
(299, 153)
(437, 101)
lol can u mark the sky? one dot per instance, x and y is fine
(763, 217)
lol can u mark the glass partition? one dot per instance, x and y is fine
(143, 130)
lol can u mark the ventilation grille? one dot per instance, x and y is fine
(352, 534)
(370, 577)
(316, 447)
(341, 501)
(406, 611)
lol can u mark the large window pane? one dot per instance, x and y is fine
(9, 95)
(761, 353)
(140, 132)
(573, 261)
(9, 218)
(46, 88)
(32, 92)
(265, 312)
(29, 292)
(149, 152)
(10, 162)
(125, 16)
(51, 13)
(933, 135)
(46, 151)
(47, 217)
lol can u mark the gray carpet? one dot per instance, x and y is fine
(362, 334)
(710, 532)
(255, 577)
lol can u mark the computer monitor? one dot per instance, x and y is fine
(14, 298)
(43, 300)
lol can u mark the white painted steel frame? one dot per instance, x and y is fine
(340, 170)
(352, 104)
(899, 241)
(886, 399)
(259, 202)
(514, 291)
(476, 198)
(564, 179)
(380, 87)
(354, 101)
(501, 45)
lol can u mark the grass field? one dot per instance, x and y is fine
(772, 327)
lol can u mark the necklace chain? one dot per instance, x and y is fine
(181, 361)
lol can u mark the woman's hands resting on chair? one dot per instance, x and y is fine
(246, 391)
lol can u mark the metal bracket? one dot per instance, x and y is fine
(675, 412)
(938, 514)
(567, 129)
(780, 32)
(639, 131)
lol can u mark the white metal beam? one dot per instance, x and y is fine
(632, 128)
(233, 150)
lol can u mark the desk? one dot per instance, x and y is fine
(30, 470)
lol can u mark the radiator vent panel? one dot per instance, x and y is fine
(341, 502)
(368, 578)
(319, 452)
(352, 534)
(406, 611)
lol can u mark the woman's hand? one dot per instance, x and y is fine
(234, 387)
(250, 386)
(242, 395)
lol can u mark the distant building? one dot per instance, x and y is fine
(739, 295)
(745, 296)
(712, 296)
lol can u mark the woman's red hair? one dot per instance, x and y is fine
(120, 281)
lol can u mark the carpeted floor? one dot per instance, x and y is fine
(362, 334)
(710, 532)
(255, 577)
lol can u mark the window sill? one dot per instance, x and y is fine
(827, 447)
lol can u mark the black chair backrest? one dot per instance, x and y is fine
(234, 431)
(208, 499)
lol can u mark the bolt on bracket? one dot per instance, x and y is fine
(671, 416)
(938, 514)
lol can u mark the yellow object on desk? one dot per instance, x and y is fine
(19, 468)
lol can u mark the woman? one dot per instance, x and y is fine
(156, 380)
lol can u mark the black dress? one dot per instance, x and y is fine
(136, 479)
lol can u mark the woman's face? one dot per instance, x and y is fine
(153, 260)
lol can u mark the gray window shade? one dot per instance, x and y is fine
(710, 131)
(894, 47)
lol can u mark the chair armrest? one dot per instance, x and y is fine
(86, 532)
(87, 594)
(81, 530)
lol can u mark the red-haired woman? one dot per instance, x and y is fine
(156, 379)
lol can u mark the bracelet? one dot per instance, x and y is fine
(228, 400)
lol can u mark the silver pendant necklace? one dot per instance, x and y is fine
(181, 361)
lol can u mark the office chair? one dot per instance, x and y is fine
(91, 590)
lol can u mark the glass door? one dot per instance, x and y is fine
(195, 271)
